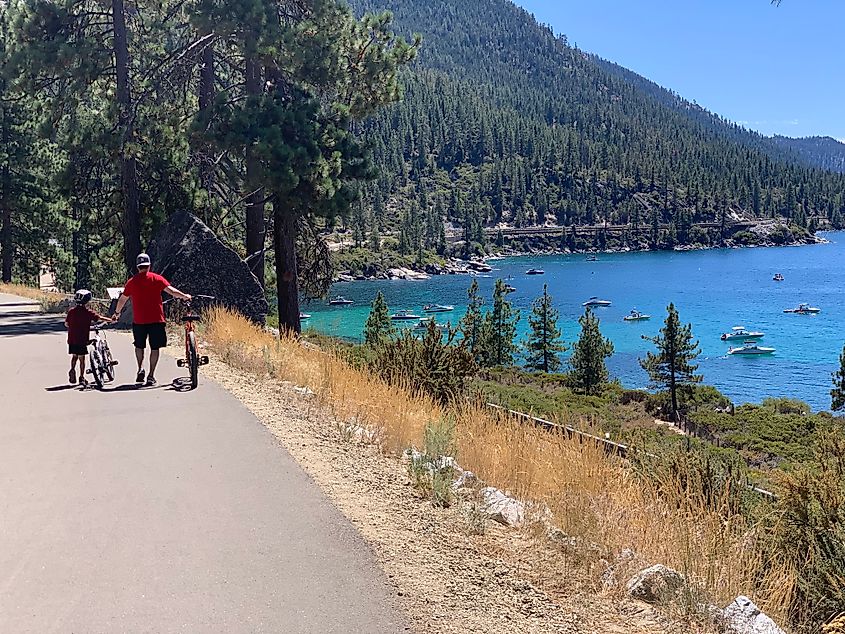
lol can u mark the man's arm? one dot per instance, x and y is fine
(175, 292)
(121, 302)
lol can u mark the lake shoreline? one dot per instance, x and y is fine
(458, 266)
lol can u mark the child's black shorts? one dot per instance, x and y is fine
(156, 333)
(77, 349)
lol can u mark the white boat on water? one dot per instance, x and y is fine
(803, 309)
(404, 315)
(340, 300)
(636, 315)
(437, 308)
(535, 272)
(751, 348)
(303, 316)
(595, 301)
(424, 322)
(739, 332)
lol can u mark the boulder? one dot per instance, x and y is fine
(743, 617)
(191, 257)
(657, 584)
(502, 508)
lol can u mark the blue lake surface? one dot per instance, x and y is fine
(713, 290)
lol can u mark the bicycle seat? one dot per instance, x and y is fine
(191, 317)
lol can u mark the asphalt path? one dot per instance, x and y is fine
(159, 509)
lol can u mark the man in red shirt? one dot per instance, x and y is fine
(145, 289)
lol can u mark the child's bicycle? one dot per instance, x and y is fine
(100, 362)
(193, 360)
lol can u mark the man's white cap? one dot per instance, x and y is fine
(142, 260)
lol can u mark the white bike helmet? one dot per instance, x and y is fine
(82, 296)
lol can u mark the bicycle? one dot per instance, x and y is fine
(100, 362)
(193, 360)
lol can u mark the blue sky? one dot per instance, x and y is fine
(779, 70)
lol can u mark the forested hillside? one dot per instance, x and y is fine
(824, 151)
(504, 122)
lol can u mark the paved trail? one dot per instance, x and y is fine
(155, 510)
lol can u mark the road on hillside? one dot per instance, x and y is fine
(159, 510)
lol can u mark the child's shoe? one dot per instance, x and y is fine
(71, 376)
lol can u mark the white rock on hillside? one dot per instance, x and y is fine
(502, 508)
(656, 584)
(406, 274)
(743, 617)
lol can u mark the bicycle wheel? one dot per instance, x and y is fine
(96, 367)
(108, 362)
(193, 360)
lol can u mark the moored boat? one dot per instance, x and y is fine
(595, 301)
(739, 332)
(592, 258)
(636, 315)
(437, 308)
(535, 272)
(778, 277)
(803, 309)
(303, 316)
(340, 300)
(424, 323)
(404, 315)
(510, 289)
(750, 348)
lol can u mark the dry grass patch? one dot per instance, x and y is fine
(600, 507)
(50, 302)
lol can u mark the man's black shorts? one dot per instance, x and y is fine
(156, 333)
(73, 348)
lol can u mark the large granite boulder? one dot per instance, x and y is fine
(193, 260)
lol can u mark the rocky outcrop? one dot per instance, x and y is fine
(657, 584)
(191, 257)
(743, 617)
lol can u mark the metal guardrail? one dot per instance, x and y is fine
(610, 447)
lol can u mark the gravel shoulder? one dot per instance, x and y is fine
(447, 578)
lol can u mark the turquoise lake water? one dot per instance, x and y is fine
(714, 290)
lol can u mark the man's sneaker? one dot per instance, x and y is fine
(140, 377)
(151, 381)
(71, 376)
(83, 381)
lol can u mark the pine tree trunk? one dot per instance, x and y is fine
(287, 277)
(6, 245)
(206, 92)
(131, 220)
(255, 228)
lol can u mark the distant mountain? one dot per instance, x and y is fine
(821, 151)
(505, 122)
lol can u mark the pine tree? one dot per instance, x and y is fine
(672, 366)
(544, 343)
(837, 394)
(472, 323)
(378, 327)
(589, 370)
(500, 329)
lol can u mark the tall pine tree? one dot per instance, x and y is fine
(378, 327)
(837, 394)
(672, 367)
(544, 343)
(589, 371)
(499, 332)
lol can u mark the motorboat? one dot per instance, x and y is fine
(739, 332)
(424, 323)
(636, 315)
(303, 316)
(340, 300)
(592, 258)
(535, 272)
(595, 301)
(750, 348)
(778, 277)
(404, 315)
(437, 308)
(803, 309)
(510, 289)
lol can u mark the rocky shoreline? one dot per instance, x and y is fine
(762, 237)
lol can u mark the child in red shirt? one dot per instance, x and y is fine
(78, 322)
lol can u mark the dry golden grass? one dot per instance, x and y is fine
(591, 497)
(49, 301)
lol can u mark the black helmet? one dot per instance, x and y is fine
(82, 296)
